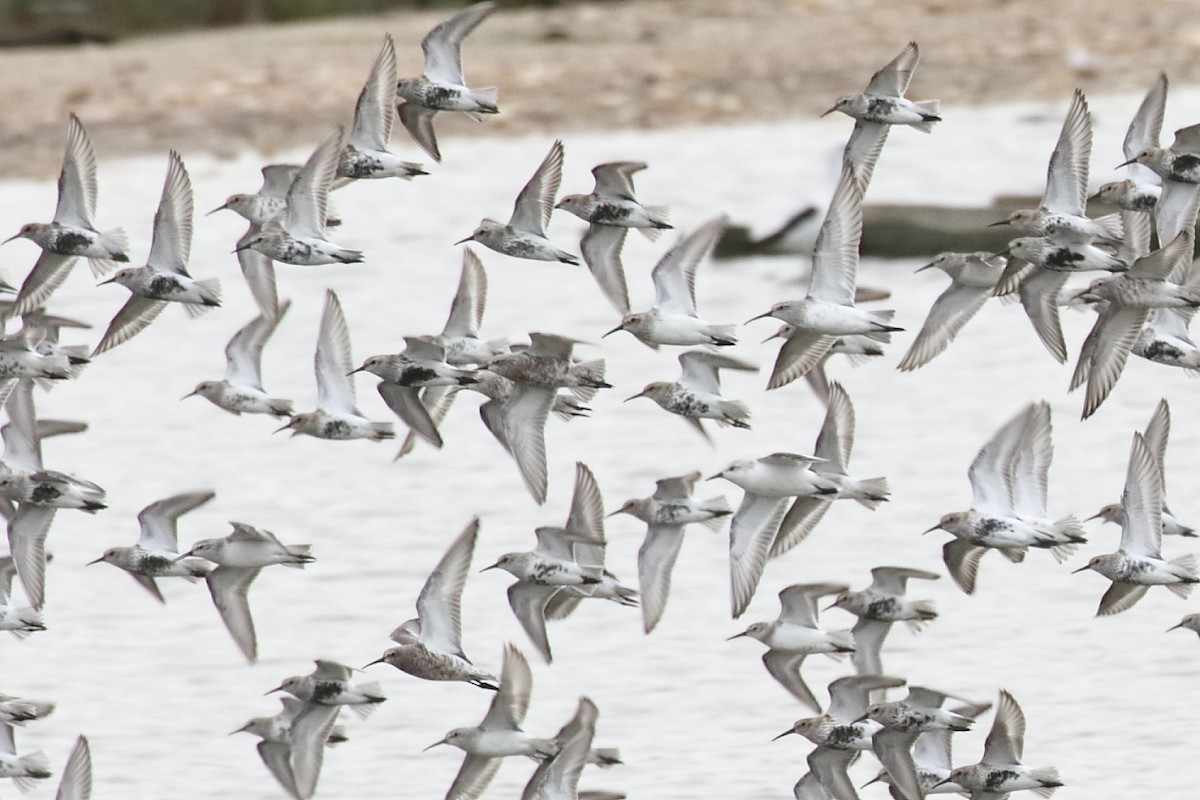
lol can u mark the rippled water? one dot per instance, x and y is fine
(158, 688)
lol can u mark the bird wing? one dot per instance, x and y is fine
(259, 272)
(229, 587)
(836, 439)
(1146, 129)
(524, 414)
(27, 542)
(473, 777)
(277, 757)
(243, 354)
(1031, 463)
(676, 488)
(1116, 331)
(77, 185)
(376, 105)
(799, 602)
(309, 733)
(675, 274)
(1067, 174)
(601, 247)
(1121, 597)
(835, 256)
(171, 244)
(829, 765)
(962, 560)
(953, 309)
(700, 369)
(466, 310)
(750, 535)
(48, 273)
(531, 212)
(528, 602)
(1006, 740)
(863, 148)
(1141, 532)
(439, 606)
(133, 317)
(405, 402)
(159, 520)
(1039, 293)
(443, 45)
(332, 361)
(894, 750)
(868, 644)
(893, 79)
(508, 707)
(784, 666)
(76, 781)
(418, 121)
(308, 196)
(656, 560)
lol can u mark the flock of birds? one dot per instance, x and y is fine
(1143, 307)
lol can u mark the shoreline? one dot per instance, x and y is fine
(588, 65)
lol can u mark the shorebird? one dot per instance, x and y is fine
(241, 391)
(365, 153)
(879, 606)
(697, 393)
(1141, 190)
(430, 646)
(293, 743)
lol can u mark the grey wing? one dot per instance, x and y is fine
(1031, 463)
(893, 79)
(524, 415)
(1116, 331)
(1120, 597)
(229, 587)
(150, 585)
(308, 196)
(1187, 140)
(22, 439)
(894, 580)
(1146, 129)
(1006, 740)
(835, 256)
(76, 781)
(171, 244)
(803, 515)
(953, 309)
(615, 179)
(418, 121)
(677, 488)
(836, 439)
(962, 560)
(466, 310)
(750, 535)
(699, 369)
(585, 520)
(1158, 431)
(332, 671)
(443, 45)
(137, 313)
(849, 696)
(332, 361)
(563, 604)
(829, 765)
(376, 103)
(801, 352)
(1039, 293)
(601, 248)
(405, 402)
(799, 602)
(48, 273)
(259, 272)
(809, 788)
(77, 185)
(863, 148)
(535, 203)
(439, 605)
(159, 520)
(27, 542)
(310, 732)
(243, 354)
(894, 749)
(1067, 174)
(1141, 532)
(1176, 209)
(868, 645)
(492, 414)
(509, 705)
(528, 602)
(473, 777)
(277, 179)
(675, 274)
(656, 560)
(278, 759)
(436, 400)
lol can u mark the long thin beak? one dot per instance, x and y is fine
(470, 238)
(189, 394)
(940, 783)
(1005, 253)
(760, 316)
(241, 248)
(931, 530)
(614, 513)
(620, 327)
(247, 725)
(101, 558)
(351, 372)
(182, 557)
(1126, 163)
(110, 280)
(435, 744)
(493, 566)
(9, 239)
(635, 397)
(1173, 627)
(1094, 516)
(876, 779)
(278, 688)
(863, 718)
(284, 428)
(998, 224)
(780, 736)
(221, 207)
(830, 111)
(376, 661)
(831, 605)
(736, 636)
(714, 477)
(1081, 569)
(922, 269)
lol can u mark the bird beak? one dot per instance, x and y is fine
(863, 718)
(284, 428)
(1173, 627)
(379, 660)
(189, 394)
(780, 736)
(831, 605)
(714, 477)
(940, 783)
(1005, 253)
(927, 266)
(736, 636)
(101, 558)
(620, 327)
(493, 566)
(9, 239)
(1097, 515)
(998, 224)
(614, 513)
(110, 280)
(635, 397)
(830, 111)
(182, 557)
(468, 239)
(278, 688)
(221, 207)
(760, 316)
(435, 744)
(876, 779)
(1126, 163)
(247, 725)
(351, 372)
(937, 527)
(1084, 568)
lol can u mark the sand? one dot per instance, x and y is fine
(581, 66)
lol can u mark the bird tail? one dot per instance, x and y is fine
(723, 335)
(116, 243)
(931, 111)
(280, 407)
(659, 218)
(883, 320)
(874, 491)
(210, 294)
(735, 413)
(348, 256)
(301, 554)
(36, 767)
(591, 375)
(31, 620)
(607, 757)
(381, 431)
(1048, 778)
(926, 610)
(843, 640)
(1070, 529)
(1185, 568)
(720, 508)
(487, 98)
